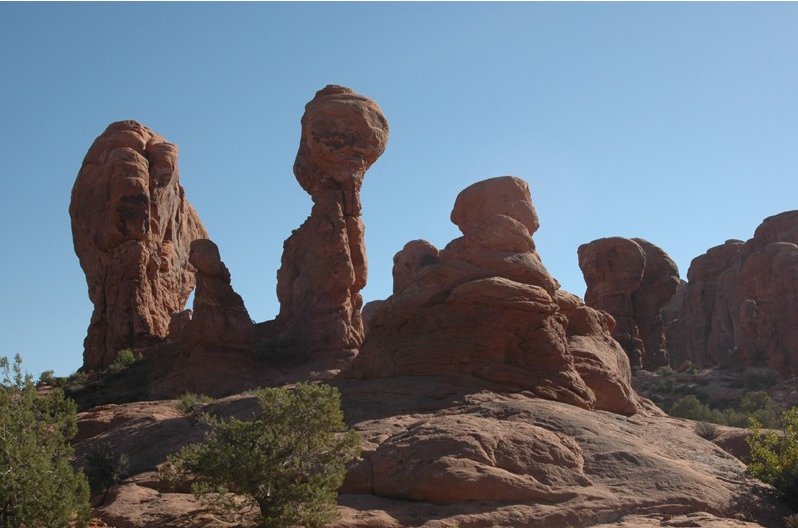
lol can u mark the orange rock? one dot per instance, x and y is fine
(324, 261)
(631, 279)
(131, 227)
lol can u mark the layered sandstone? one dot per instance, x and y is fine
(740, 305)
(485, 306)
(632, 280)
(132, 226)
(324, 261)
(219, 317)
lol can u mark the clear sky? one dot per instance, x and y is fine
(673, 122)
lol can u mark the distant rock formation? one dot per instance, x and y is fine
(324, 261)
(632, 280)
(740, 304)
(131, 227)
(219, 316)
(486, 306)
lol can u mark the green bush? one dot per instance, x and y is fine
(124, 359)
(774, 456)
(38, 487)
(691, 407)
(104, 467)
(290, 461)
(190, 402)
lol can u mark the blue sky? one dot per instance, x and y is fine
(673, 122)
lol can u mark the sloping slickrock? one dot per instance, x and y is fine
(219, 316)
(324, 261)
(441, 454)
(740, 307)
(632, 280)
(131, 227)
(488, 308)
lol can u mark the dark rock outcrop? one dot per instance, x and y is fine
(131, 227)
(324, 261)
(632, 280)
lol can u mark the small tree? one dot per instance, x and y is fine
(774, 457)
(38, 487)
(290, 461)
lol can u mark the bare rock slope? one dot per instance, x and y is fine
(440, 453)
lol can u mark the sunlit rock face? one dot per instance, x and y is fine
(324, 261)
(632, 280)
(739, 308)
(485, 306)
(132, 227)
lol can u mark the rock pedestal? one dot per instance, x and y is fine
(131, 227)
(324, 261)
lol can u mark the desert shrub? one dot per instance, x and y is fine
(76, 381)
(706, 430)
(290, 461)
(124, 359)
(47, 378)
(774, 456)
(38, 487)
(190, 402)
(104, 467)
(666, 371)
(760, 378)
(691, 407)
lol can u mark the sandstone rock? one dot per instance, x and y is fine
(219, 315)
(131, 227)
(324, 261)
(631, 279)
(740, 306)
(438, 454)
(489, 309)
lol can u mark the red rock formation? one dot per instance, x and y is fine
(631, 279)
(324, 261)
(740, 307)
(490, 309)
(219, 316)
(131, 226)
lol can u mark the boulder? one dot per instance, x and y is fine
(132, 226)
(324, 265)
(631, 279)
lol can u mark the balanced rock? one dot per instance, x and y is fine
(485, 306)
(324, 261)
(740, 305)
(219, 316)
(131, 227)
(632, 280)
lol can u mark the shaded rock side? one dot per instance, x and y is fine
(131, 228)
(219, 316)
(485, 306)
(632, 280)
(324, 261)
(740, 305)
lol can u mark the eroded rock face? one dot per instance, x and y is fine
(632, 280)
(324, 261)
(219, 316)
(489, 308)
(740, 305)
(131, 227)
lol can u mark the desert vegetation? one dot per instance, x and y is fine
(38, 486)
(289, 462)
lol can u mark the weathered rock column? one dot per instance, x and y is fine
(324, 264)
(131, 227)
